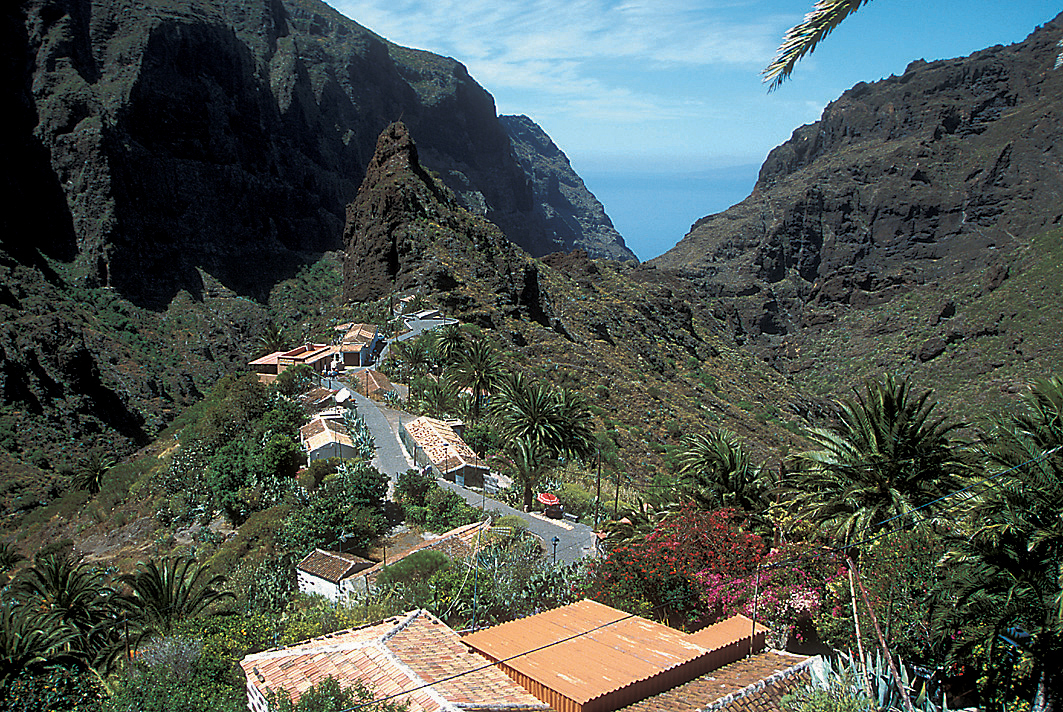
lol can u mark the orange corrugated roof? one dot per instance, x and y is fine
(402, 653)
(615, 649)
(726, 632)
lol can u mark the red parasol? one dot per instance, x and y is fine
(548, 499)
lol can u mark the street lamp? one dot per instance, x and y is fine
(556, 541)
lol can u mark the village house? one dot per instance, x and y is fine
(584, 657)
(319, 357)
(435, 442)
(360, 345)
(323, 438)
(623, 658)
(326, 402)
(330, 573)
(372, 384)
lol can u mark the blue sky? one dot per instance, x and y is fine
(631, 88)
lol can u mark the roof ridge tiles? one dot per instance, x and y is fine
(414, 677)
(759, 685)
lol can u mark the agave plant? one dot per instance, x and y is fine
(361, 436)
(869, 686)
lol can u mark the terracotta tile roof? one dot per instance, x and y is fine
(308, 354)
(332, 565)
(268, 359)
(322, 431)
(442, 445)
(369, 382)
(753, 684)
(360, 334)
(413, 653)
(622, 658)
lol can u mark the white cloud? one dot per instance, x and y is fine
(564, 48)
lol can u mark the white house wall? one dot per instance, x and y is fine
(308, 583)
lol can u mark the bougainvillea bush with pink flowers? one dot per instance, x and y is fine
(792, 585)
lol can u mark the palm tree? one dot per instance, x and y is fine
(530, 411)
(1000, 594)
(164, 595)
(440, 399)
(478, 369)
(91, 470)
(716, 472)
(526, 462)
(450, 343)
(271, 339)
(28, 639)
(575, 415)
(71, 590)
(803, 38)
(415, 357)
(9, 556)
(888, 456)
(1006, 565)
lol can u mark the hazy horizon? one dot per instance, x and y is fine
(653, 208)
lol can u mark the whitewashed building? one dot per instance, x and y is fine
(332, 574)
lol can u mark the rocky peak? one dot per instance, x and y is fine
(940, 172)
(405, 229)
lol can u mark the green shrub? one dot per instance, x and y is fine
(516, 524)
(482, 439)
(447, 510)
(576, 499)
(66, 688)
(295, 380)
(417, 567)
(415, 514)
(413, 487)
(817, 700)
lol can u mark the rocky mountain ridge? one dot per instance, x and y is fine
(919, 191)
(181, 136)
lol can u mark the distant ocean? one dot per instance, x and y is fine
(654, 210)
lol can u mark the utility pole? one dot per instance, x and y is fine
(598, 496)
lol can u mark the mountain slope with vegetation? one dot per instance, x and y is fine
(874, 239)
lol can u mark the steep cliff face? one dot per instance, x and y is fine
(221, 136)
(574, 217)
(915, 228)
(940, 172)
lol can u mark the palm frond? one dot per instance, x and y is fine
(803, 38)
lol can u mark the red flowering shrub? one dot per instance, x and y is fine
(659, 576)
(792, 586)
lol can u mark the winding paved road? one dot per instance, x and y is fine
(575, 541)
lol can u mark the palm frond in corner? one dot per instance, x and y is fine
(802, 39)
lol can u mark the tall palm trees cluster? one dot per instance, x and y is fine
(64, 611)
(890, 463)
(537, 423)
